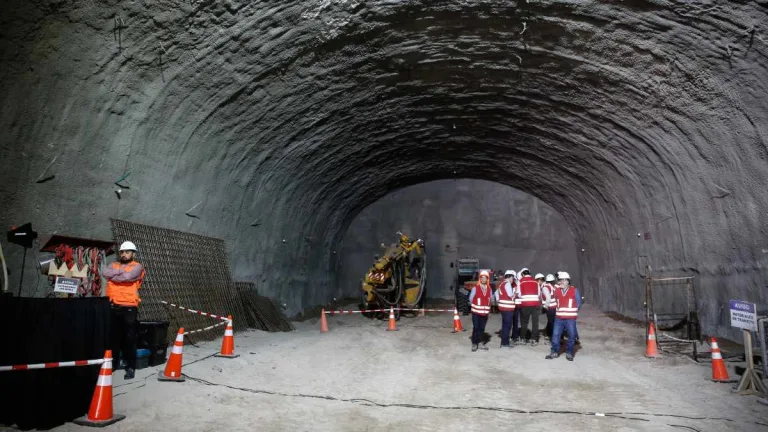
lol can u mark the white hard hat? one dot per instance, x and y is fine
(127, 246)
(550, 278)
(539, 276)
(509, 273)
(563, 275)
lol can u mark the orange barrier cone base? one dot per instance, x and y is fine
(389, 329)
(84, 421)
(226, 355)
(456, 331)
(653, 356)
(161, 377)
(729, 380)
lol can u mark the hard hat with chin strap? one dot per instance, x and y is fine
(128, 246)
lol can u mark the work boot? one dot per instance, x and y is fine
(484, 347)
(506, 346)
(129, 373)
(474, 347)
(552, 355)
(534, 343)
(569, 357)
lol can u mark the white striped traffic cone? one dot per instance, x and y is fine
(173, 366)
(228, 344)
(100, 413)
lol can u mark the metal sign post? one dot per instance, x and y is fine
(744, 316)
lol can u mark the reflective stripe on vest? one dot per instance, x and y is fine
(566, 304)
(529, 292)
(481, 304)
(125, 293)
(551, 290)
(506, 304)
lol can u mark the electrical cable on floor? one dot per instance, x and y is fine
(127, 383)
(368, 402)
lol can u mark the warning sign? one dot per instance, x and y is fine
(66, 285)
(743, 315)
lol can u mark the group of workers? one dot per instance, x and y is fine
(521, 297)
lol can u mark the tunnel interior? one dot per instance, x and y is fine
(643, 124)
(502, 227)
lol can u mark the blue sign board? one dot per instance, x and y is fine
(743, 315)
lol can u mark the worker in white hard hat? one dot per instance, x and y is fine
(549, 303)
(568, 305)
(530, 303)
(505, 298)
(124, 279)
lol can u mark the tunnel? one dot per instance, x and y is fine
(273, 125)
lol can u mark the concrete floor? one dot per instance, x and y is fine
(359, 377)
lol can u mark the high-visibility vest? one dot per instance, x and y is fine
(506, 303)
(481, 304)
(529, 292)
(567, 308)
(125, 293)
(547, 287)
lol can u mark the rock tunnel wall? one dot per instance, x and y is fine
(503, 227)
(283, 120)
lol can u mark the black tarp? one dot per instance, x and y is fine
(37, 330)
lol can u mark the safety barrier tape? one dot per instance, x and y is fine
(427, 310)
(206, 328)
(349, 312)
(195, 311)
(52, 365)
(674, 338)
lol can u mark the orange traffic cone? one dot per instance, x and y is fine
(100, 413)
(651, 350)
(719, 371)
(228, 343)
(173, 367)
(392, 325)
(457, 322)
(323, 322)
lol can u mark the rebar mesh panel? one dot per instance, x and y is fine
(261, 313)
(186, 269)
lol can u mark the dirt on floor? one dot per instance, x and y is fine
(423, 377)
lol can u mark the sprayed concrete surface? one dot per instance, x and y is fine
(360, 377)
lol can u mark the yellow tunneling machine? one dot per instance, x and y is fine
(397, 278)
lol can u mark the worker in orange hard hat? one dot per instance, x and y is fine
(124, 279)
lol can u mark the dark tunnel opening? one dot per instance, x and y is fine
(641, 124)
(500, 226)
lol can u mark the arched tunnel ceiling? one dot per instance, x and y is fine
(626, 117)
(591, 106)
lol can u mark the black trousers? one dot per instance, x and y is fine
(478, 328)
(533, 313)
(550, 321)
(124, 333)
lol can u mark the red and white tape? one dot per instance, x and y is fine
(349, 312)
(196, 311)
(206, 328)
(427, 310)
(52, 365)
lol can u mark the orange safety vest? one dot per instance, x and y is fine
(125, 293)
